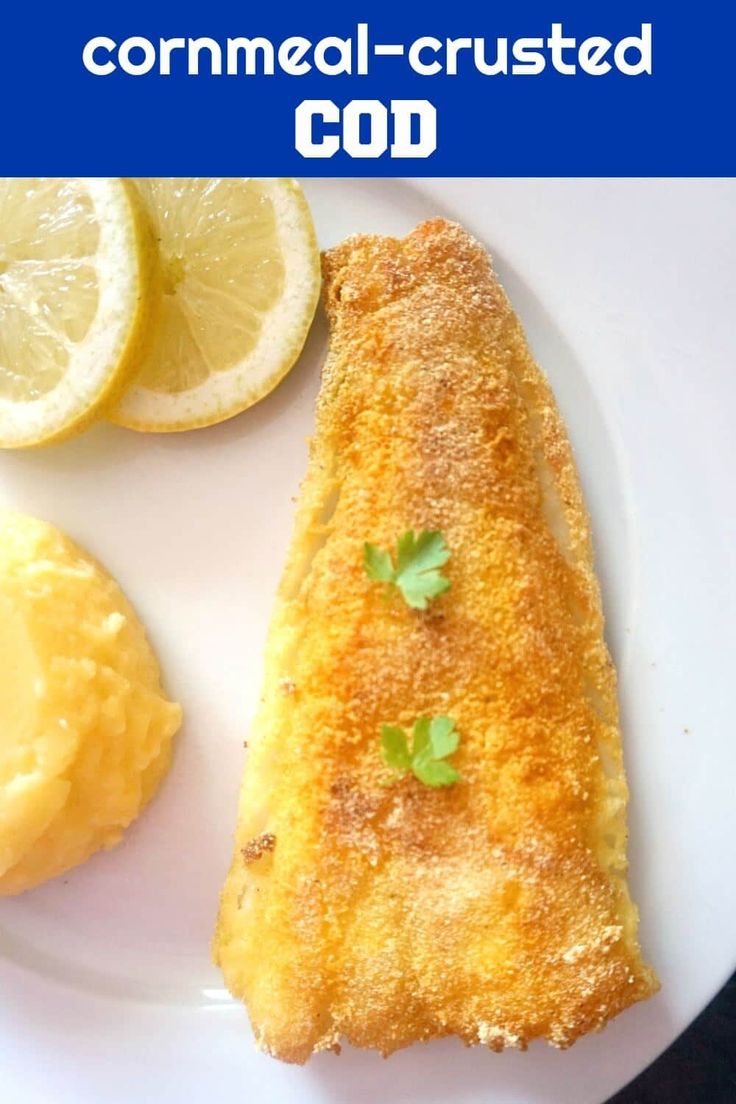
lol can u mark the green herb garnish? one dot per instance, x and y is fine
(434, 739)
(417, 572)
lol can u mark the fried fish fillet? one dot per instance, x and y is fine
(495, 909)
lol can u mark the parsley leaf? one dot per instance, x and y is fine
(395, 748)
(433, 740)
(436, 773)
(443, 737)
(377, 564)
(417, 574)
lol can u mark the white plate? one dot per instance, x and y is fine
(627, 292)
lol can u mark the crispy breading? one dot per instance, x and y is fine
(495, 909)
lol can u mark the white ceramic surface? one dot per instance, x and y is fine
(627, 291)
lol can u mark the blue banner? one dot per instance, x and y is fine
(215, 88)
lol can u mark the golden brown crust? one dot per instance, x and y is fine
(495, 909)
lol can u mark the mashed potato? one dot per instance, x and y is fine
(85, 729)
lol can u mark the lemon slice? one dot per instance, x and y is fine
(240, 280)
(74, 279)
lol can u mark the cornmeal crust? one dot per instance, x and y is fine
(495, 909)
